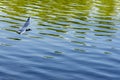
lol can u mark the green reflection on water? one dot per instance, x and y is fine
(5, 44)
(14, 38)
(63, 13)
(48, 57)
(58, 52)
(45, 8)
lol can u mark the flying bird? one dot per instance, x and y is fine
(24, 27)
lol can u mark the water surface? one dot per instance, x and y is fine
(70, 40)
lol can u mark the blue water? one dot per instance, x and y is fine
(66, 43)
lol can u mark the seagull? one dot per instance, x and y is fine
(24, 27)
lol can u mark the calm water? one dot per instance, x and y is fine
(70, 40)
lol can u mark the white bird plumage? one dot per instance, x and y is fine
(24, 27)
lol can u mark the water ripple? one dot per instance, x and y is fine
(70, 40)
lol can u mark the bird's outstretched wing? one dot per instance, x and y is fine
(24, 27)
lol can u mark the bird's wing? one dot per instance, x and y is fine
(25, 25)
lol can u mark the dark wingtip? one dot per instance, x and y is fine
(28, 29)
(28, 18)
(18, 32)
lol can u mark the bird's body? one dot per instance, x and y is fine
(24, 27)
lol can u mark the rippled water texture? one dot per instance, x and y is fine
(70, 40)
